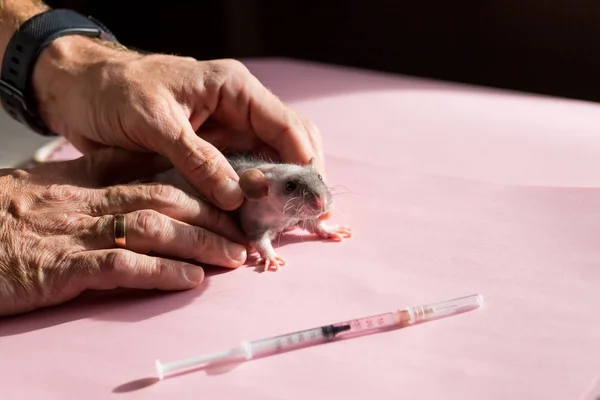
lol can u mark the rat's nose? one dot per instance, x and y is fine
(319, 202)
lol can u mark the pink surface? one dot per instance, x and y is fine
(450, 190)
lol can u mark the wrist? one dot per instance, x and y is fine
(13, 13)
(45, 54)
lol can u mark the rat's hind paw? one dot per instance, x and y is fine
(337, 233)
(272, 261)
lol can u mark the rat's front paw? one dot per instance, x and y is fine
(272, 261)
(337, 232)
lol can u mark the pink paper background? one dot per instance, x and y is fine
(450, 190)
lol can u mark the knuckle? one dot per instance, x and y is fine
(18, 207)
(214, 216)
(234, 65)
(164, 194)
(19, 174)
(227, 66)
(187, 59)
(217, 72)
(157, 268)
(292, 125)
(202, 163)
(118, 260)
(65, 222)
(109, 198)
(61, 193)
(214, 76)
(149, 223)
(201, 239)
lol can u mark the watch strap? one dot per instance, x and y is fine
(22, 52)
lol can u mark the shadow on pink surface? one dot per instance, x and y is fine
(128, 305)
(138, 384)
(120, 305)
(143, 383)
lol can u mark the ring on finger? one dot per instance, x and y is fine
(119, 230)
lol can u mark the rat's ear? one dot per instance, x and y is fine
(312, 162)
(254, 184)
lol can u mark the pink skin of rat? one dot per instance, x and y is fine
(279, 198)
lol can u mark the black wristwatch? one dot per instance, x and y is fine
(23, 51)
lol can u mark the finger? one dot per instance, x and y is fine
(244, 97)
(148, 231)
(203, 166)
(317, 144)
(226, 139)
(165, 199)
(110, 269)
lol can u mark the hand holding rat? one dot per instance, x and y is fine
(58, 240)
(181, 108)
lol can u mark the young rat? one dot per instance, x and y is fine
(279, 197)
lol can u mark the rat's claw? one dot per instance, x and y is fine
(337, 233)
(274, 262)
(344, 231)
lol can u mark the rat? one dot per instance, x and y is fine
(280, 197)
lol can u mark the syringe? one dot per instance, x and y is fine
(248, 350)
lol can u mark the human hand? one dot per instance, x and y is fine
(181, 108)
(57, 239)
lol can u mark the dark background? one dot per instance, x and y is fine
(541, 46)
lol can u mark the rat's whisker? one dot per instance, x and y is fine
(338, 194)
(336, 187)
(299, 211)
(288, 204)
(347, 192)
(334, 190)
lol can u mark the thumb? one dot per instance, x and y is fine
(205, 168)
(122, 268)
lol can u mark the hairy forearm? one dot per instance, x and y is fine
(13, 13)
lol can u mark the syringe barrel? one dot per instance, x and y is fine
(287, 342)
(371, 323)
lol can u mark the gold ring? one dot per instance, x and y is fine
(119, 227)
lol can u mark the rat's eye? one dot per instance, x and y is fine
(320, 177)
(290, 186)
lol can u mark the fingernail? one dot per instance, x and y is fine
(194, 274)
(237, 253)
(228, 193)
